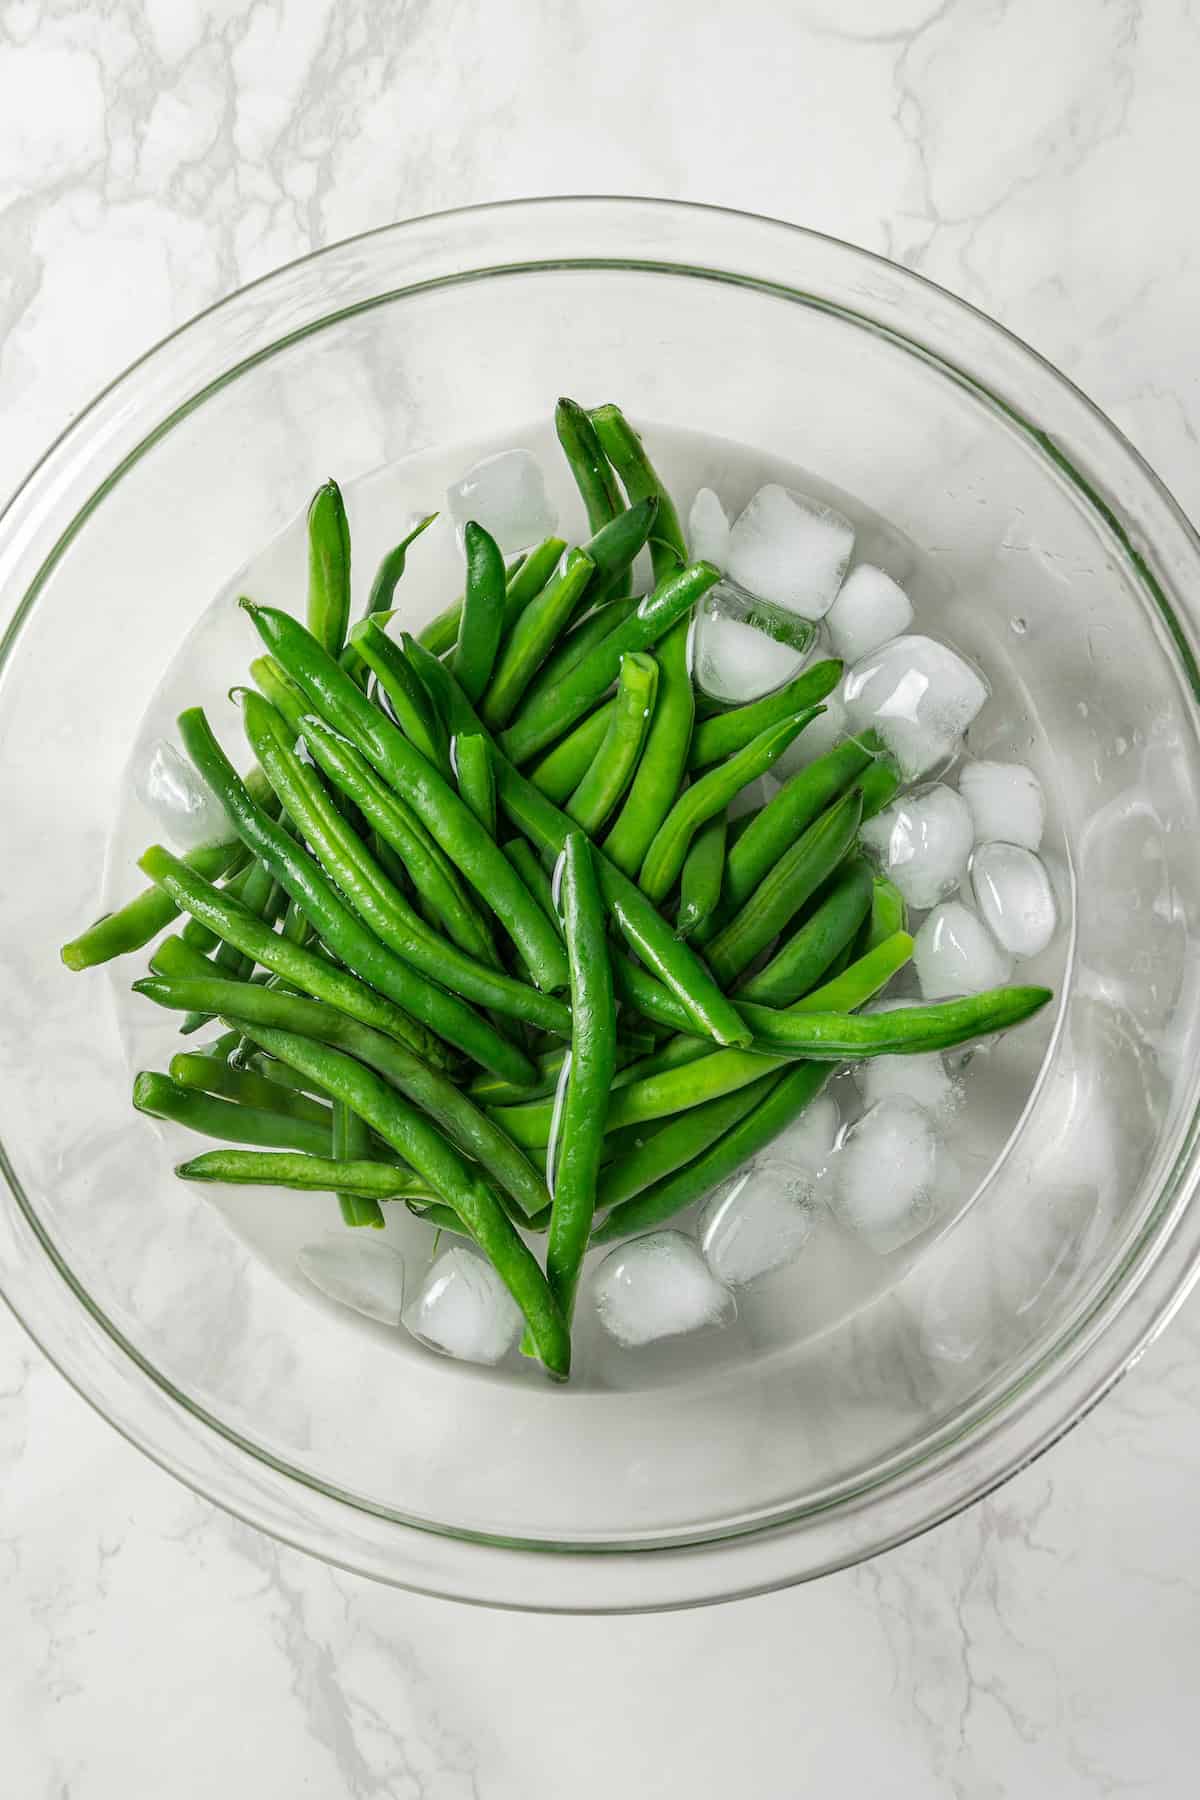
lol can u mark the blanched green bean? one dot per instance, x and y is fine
(830, 928)
(701, 875)
(328, 568)
(660, 772)
(350, 1141)
(472, 763)
(161, 1098)
(524, 581)
(368, 1181)
(611, 769)
(558, 773)
(532, 638)
(728, 732)
(482, 624)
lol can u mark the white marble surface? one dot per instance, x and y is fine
(1036, 158)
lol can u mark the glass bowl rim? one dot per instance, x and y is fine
(1024, 1419)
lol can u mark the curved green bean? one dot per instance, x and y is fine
(527, 578)
(139, 920)
(336, 924)
(452, 824)
(660, 772)
(452, 1178)
(367, 1181)
(615, 546)
(383, 592)
(785, 888)
(532, 638)
(625, 451)
(482, 624)
(800, 801)
(701, 875)
(723, 735)
(588, 464)
(888, 914)
(830, 928)
(536, 726)
(675, 1143)
(257, 1008)
(611, 769)
(413, 710)
(521, 855)
(161, 1098)
(709, 794)
(593, 1062)
(471, 757)
(328, 568)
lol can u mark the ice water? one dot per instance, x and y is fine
(835, 1276)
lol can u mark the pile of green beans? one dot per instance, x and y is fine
(486, 940)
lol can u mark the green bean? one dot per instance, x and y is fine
(624, 450)
(700, 877)
(537, 725)
(175, 956)
(279, 1074)
(383, 592)
(715, 739)
(578, 643)
(800, 801)
(558, 773)
(829, 929)
(117, 933)
(482, 624)
(451, 822)
(255, 894)
(328, 568)
(521, 856)
(208, 1075)
(783, 1102)
(820, 1037)
(593, 1063)
(452, 1178)
(350, 1141)
(660, 774)
(221, 1048)
(432, 874)
(888, 914)
(258, 1009)
(336, 924)
(161, 1098)
(303, 968)
(366, 1181)
(709, 794)
(440, 1216)
(641, 925)
(588, 464)
(472, 762)
(526, 579)
(611, 769)
(413, 709)
(676, 1142)
(785, 888)
(532, 638)
(770, 1030)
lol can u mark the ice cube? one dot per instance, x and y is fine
(1013, 893)
(955, 953)
(366, 1276)
(506, 494)
(826, 730)
(1006, 802)
(657, 1287)
(921, 1079)
(922, 842)
(886, 1167)
(919, 695)
(758, 1221)
(190, 815)
(464, 1309)
(734, 660)
(791, 550)
(708, 530)
(808, 1142)
(870, 610)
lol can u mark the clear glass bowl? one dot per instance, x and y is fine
(1081, 1242)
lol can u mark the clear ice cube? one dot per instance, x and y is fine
(886, 1167)
(1013, 893)
(955, 953)
(506, 494)
(922, 842)
(919, 695)
(1006, 802)
(656, 1287)
(869, 611)
(463, 1309)
(190, 815)
(366, 1276)
(708, 530)
(757, 1222)
(791, 550)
